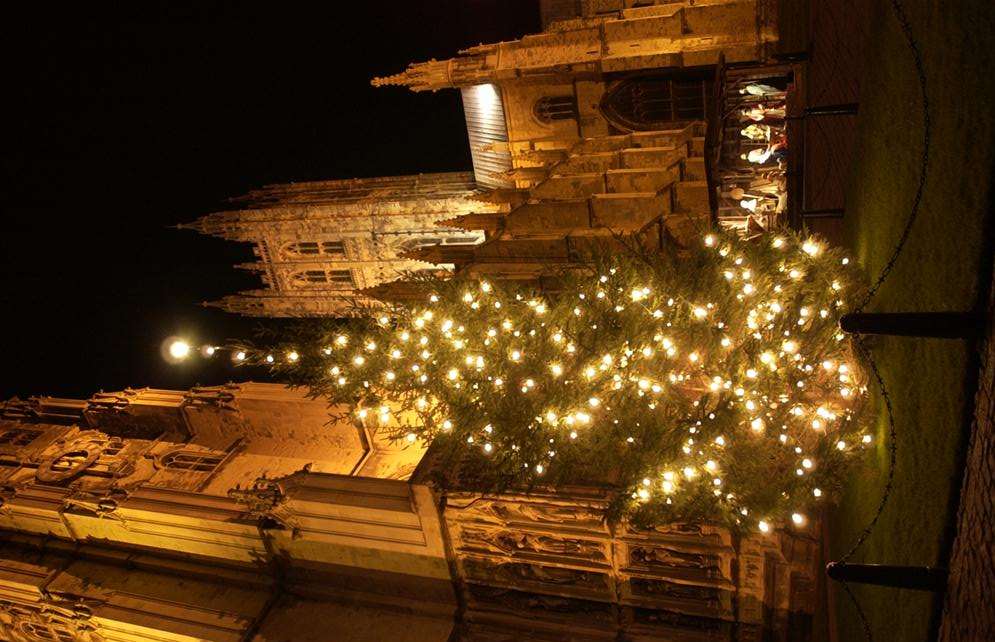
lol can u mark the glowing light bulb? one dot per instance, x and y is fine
(798, 519)
(763, 526)
(293, 357)
(179, 349)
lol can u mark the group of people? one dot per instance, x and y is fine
(754, 188)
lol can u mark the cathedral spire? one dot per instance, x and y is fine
(421, 76)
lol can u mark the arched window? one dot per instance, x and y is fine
(462, 240)
(658, 100)
(429, 241)
(200, 462)
(315, 248)
(336, 279)
(550, 108)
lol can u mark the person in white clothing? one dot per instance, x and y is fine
(760, 89)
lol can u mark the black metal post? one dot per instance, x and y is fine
(942, 325)
(791, 56)
(835, 212)
(844, 109)
(918, 578)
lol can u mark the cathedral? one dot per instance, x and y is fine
(249, 512)
(621, 118)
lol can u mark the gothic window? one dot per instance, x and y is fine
(428, 241)
(550, 108)
(319, 278)
(315, 248)
(192, 461)
(424, 241)
(461, 240)
(656, 101)
(333, 248)
(303, 247)
(17, 437)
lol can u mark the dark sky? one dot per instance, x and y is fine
(126, 118)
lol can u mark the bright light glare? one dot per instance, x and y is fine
(179, 349)
(176, 349)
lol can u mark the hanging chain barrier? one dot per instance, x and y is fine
(899, 11)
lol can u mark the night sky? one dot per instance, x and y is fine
(127, 118)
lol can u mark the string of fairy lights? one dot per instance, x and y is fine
(712, 382)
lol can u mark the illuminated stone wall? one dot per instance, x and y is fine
(319, 244)
(247, 512)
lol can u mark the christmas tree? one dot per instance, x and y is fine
(704, 383)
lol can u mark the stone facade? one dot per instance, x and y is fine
(319, 244)
(247, 512)
(588, 132)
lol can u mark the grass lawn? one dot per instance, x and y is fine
(939, 270)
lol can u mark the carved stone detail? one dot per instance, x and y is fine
(72, 457)
(667, 558)
(553, 578)
(61, 622)
(513, 543)
(512, 512)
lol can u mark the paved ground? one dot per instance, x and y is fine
(969, 608)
